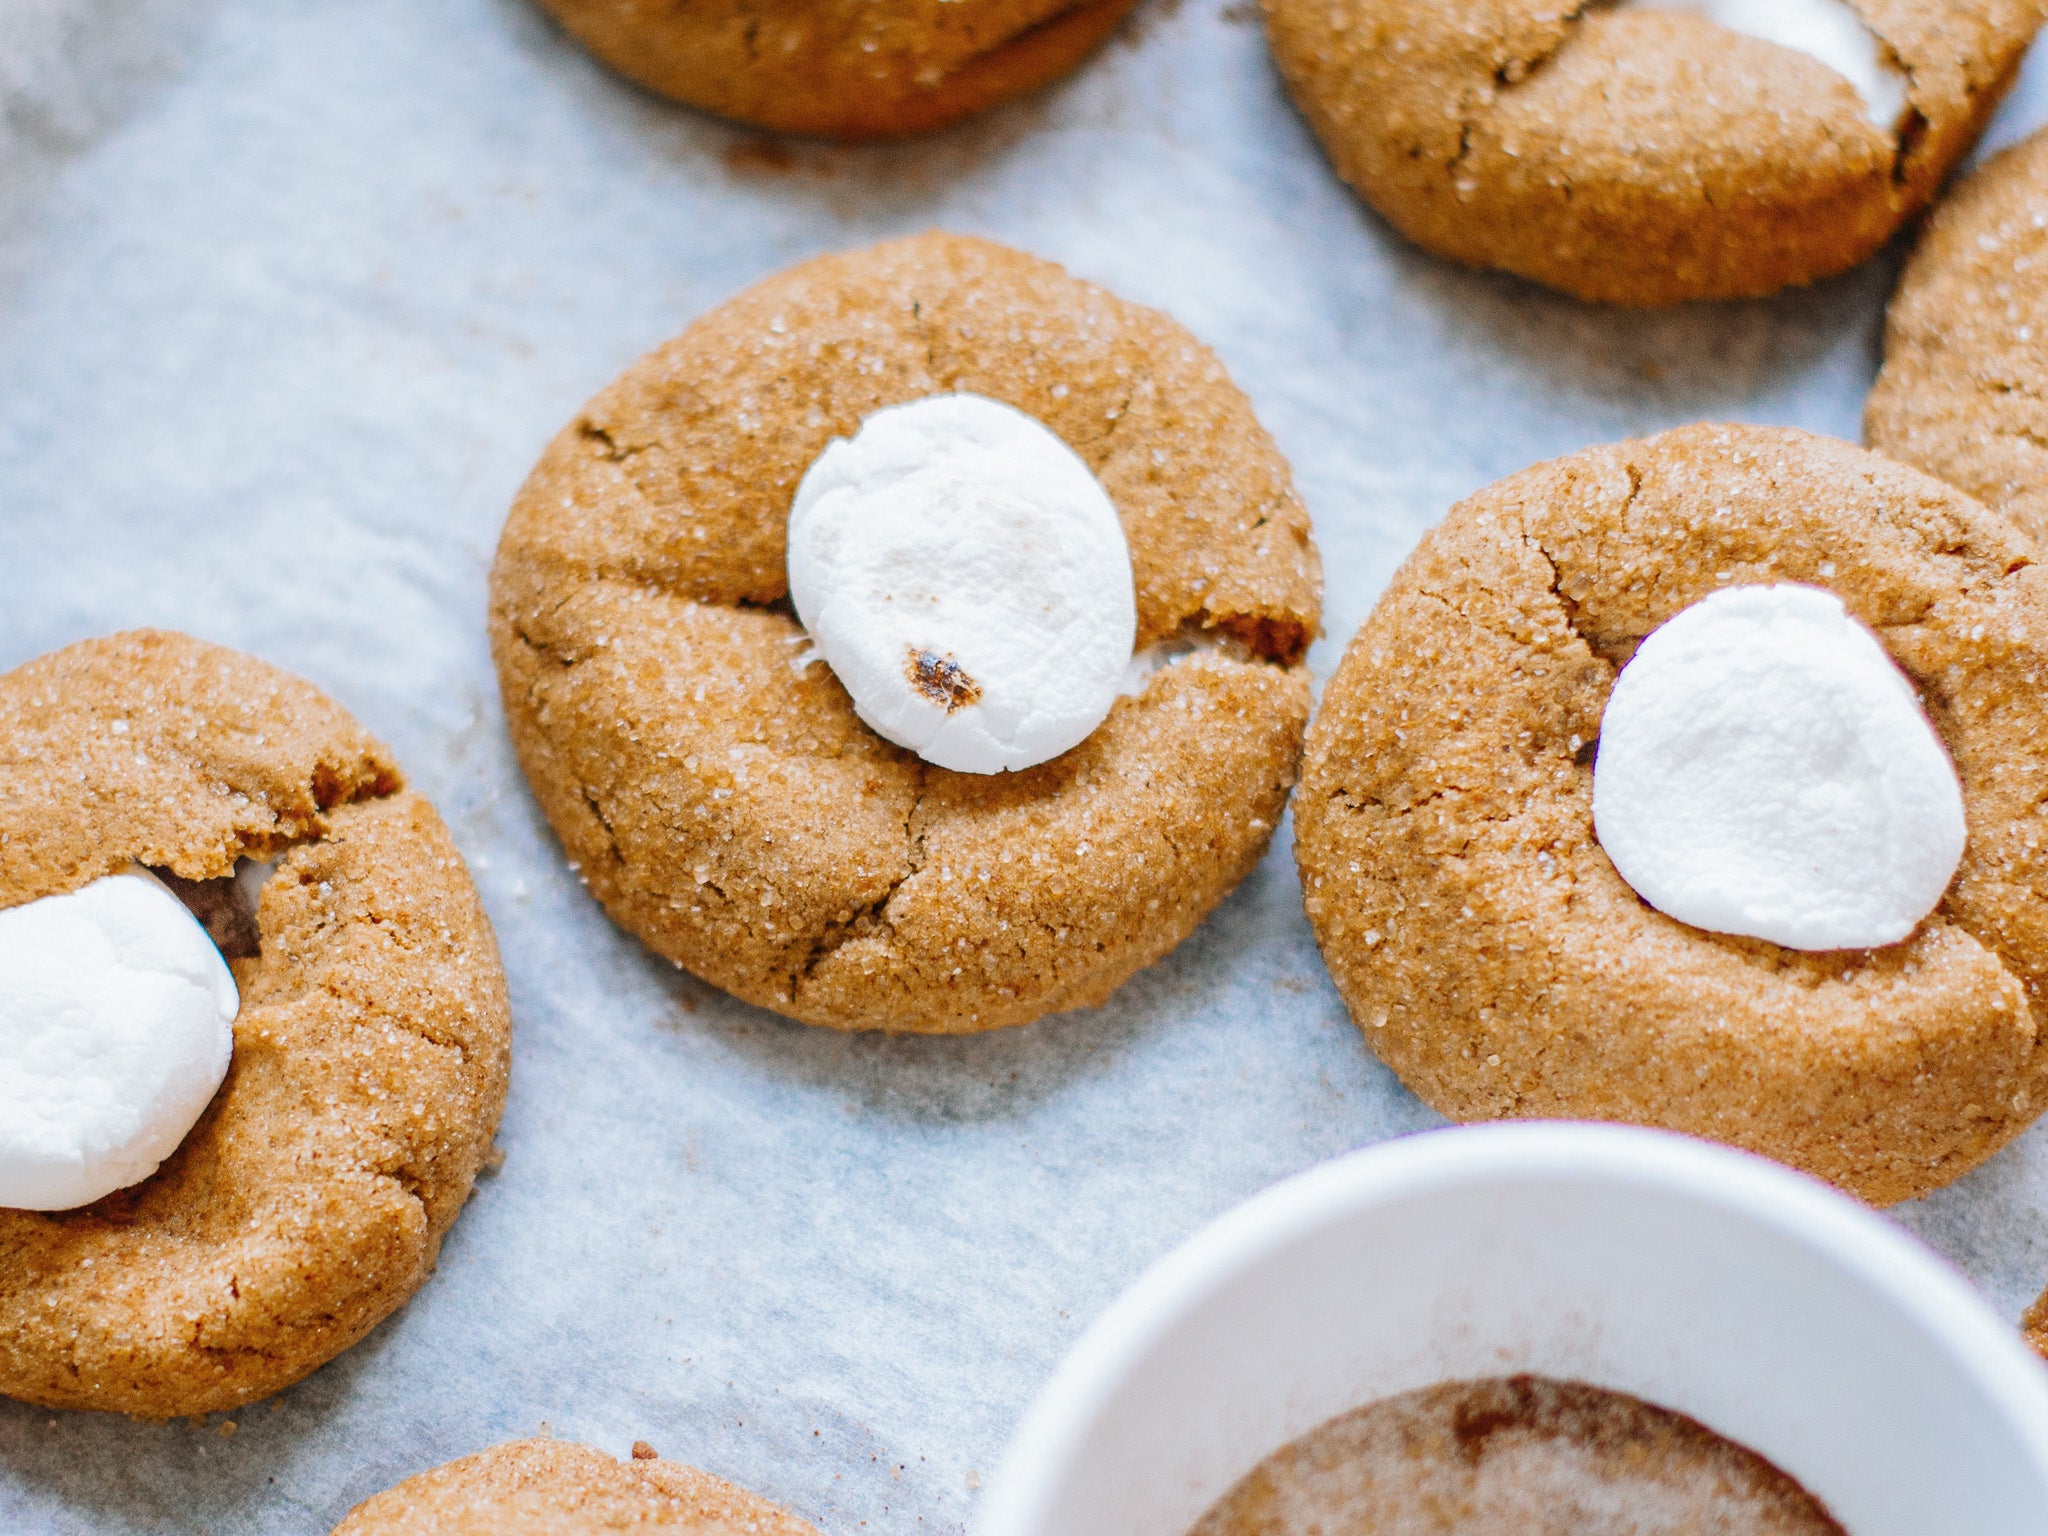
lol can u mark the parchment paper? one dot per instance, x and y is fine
(291, 294)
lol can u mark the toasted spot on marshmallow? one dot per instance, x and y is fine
(966, 578)
(116, 1027)
(1828, 30)
(1765, 769)
(940, 679)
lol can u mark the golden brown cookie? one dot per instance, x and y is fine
(1489, 950)
(732, 810)
(1636, 156)
(559, 1488)
(370, 1052)
(845, 69)
(1964, 391)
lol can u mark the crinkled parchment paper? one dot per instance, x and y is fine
(291, 294)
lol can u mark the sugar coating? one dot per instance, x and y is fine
(1764, 769)
(1515, 1456)
(116, 1024)
(1828, 30)
(964, 573)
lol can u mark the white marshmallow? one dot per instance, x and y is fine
(965, 575)
(1764, 769)
(1828, 30)
(116, 1025)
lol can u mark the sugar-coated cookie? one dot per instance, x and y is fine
(559, 1488)
(1481, 937)
(846, 69)
(370, 1051)
(1964, 391)
(712, 782)
(1632, 154)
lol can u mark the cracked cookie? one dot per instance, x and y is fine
(716, 789)
(1632, 155)
(844, 69)
(370, 1052)
(1486, 945)
(1964, 391)
(559, 1488)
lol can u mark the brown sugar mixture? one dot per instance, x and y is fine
(1519, 1456)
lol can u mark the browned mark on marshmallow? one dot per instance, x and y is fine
(940, 679)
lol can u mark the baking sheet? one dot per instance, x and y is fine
(291, 294)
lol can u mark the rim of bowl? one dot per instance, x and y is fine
(1870, 1250)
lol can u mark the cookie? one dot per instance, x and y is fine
(1632, 155)
(370, 1051)
(558, 1488)
(843, 69)
(722, 798)
(1481, 937)
(1964, 391)
(2034, 1326)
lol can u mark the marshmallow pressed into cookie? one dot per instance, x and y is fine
(1653, 151)
(965, 576)
(370, 1029)
(844, 69)
(1964, 390)
(1479, 929)
(560, 1488)
(716, 785)
(116, 1024)
(1765, 769)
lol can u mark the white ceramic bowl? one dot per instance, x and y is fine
(1756, 1300)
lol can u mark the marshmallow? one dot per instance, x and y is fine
(1828, 30)
(965, 575)
(1764, 769)
(116, 1024)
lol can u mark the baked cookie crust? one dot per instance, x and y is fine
(370, 1052)
(1636, 157)
(1964, 391)
(559, 1488)
(723, 800)
(1488, 949)
(844, 69)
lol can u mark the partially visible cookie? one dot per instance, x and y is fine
(559, 1488)
(1478, 930)
(1964, 391)
(370, 1053)
(1633, 155)
(2035, 1325)
(845, 69)
(717, 790)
